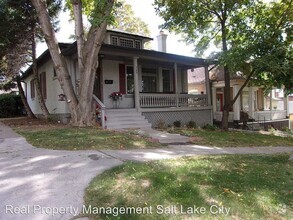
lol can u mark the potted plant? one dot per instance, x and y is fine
(115, 96)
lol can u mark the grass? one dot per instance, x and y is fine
(246, 186)
(233, 138)
(70, 138)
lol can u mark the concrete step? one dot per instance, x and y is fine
(118, 119)
(128, 126)
(128, 121)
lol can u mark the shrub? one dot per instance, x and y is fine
(191, 124)
(177, 124)
(10, 105)
(210, 127)
(160, 124)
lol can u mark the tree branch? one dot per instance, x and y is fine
(242, 87)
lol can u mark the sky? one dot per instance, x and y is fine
(142, 9)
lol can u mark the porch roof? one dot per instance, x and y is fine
(151, 56)
(125, 53)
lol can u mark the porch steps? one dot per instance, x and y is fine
(118, 119)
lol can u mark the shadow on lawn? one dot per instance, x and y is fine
(253, 187)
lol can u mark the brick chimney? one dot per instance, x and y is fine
(162, 46)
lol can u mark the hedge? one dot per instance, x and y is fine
(10, 106)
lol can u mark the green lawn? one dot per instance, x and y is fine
(209, 187)
(71, 138)
(233, 138)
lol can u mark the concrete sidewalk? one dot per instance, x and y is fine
(41, 184)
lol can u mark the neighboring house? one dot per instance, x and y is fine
(7, 86)
(153, 84)
(253, 100)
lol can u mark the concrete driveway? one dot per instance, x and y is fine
(41, 184)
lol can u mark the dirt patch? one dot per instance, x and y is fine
(195, 139)
(37, 123)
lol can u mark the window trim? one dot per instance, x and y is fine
(126, 79)
(33, 89)
(43, 84)
(171, 86)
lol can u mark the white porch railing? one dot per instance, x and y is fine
(172, 100)
(270, 115)
(102, 109)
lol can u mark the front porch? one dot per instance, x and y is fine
(153, 83)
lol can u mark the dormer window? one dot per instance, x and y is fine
(115, 40)
(138, 44)
(126, 42)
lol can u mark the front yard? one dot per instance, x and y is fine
(50, 135)
(210, 187)
(221, 138)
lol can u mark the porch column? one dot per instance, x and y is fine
(286, 104)
(251, 102)
(176, 83)
(236, 106)
(136, 83)
(208, 87)
(175, 78)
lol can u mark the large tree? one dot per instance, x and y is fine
(126, 20)
(19, 47)
(236, 26)
(100, 14)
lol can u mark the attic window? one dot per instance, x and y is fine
(138, 44)
(124, 42)
(115, 40)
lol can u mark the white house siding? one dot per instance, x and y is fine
(290, 110)
(53, 90)
(110, 71)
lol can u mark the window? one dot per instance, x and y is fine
(129, 80)
(43, 85)
(124, 42)
(149, 80)
(138, 44)
(115, 40)
(32, 85)
(54, 73)
(167, 80)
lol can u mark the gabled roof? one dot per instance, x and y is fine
(44, 57)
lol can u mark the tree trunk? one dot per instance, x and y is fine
(28, 110)
(82, 111)
(227, 100)
(37, 80)
(88, 64)
(58, 60)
